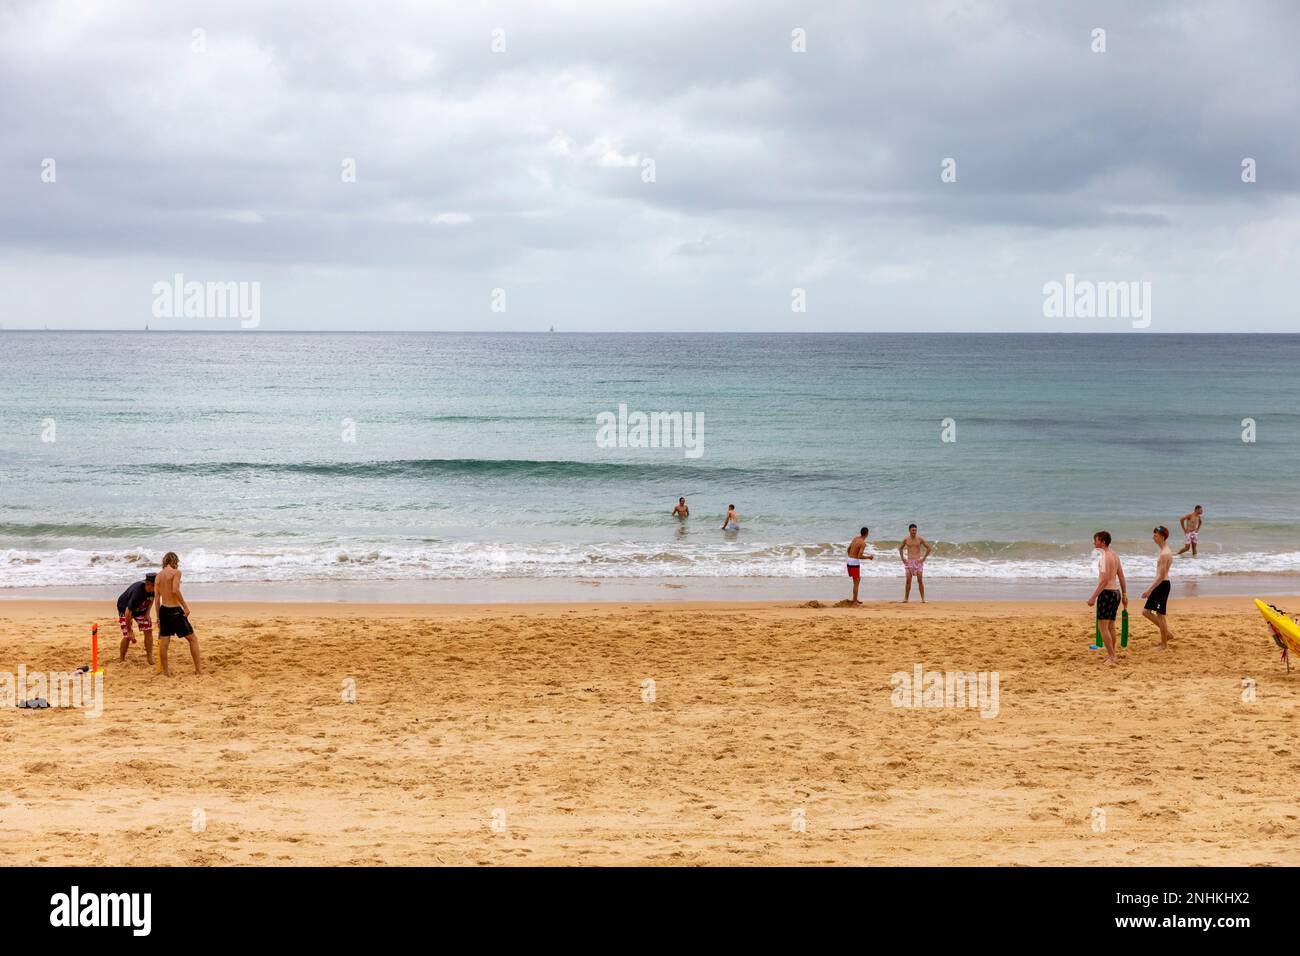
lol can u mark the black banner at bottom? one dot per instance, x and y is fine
(334, 906)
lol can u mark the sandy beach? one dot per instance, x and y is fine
(530, 734)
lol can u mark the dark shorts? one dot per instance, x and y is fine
(172, 622)
(1159, 599)
(1107, 605)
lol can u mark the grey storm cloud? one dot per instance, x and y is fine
(221, 152)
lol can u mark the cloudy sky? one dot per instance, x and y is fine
(212, 140)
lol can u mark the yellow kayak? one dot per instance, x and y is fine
(1286, 632)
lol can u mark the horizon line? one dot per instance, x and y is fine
(240, 331)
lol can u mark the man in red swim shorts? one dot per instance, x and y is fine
(857, 554)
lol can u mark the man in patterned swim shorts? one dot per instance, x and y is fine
(913, 552)
(133, 607)
(1191, 523)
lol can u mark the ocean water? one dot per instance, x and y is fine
(354, 459)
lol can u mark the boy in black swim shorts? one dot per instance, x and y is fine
(1110, 592)
(1158, 594)
(172, 622)
(174, 614)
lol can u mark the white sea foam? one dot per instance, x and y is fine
(626, 560)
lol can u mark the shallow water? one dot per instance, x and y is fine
(348, 458)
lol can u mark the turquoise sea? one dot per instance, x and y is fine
(385, 463)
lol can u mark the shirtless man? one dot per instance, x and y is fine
(1158, 594)
(1191, 524)
(1110, 591)
(914, 561)
(732, 522)
(174, 613)
(857, 554)
(681, 511)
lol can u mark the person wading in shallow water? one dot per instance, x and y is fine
(1191, 525)
(732, 522)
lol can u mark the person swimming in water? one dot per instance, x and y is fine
(732, 523)
(681, 511)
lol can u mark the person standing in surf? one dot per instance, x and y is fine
(1157, 596)
(1110, 592)
(857, 554)
(1191, 525)
(681, 511)
(732, 521)
(912, 552)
